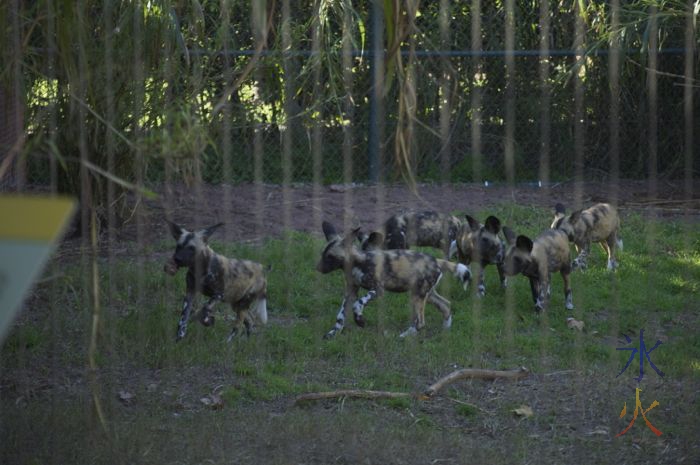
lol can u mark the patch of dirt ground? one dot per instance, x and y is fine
(46, 411)
(251, 212)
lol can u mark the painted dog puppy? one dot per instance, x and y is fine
(599, 223)
(427, 228)
(380, 270)
(537, 260)
(240, 283)
(481, 244)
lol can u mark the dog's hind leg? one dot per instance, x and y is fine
(612, 243)
(443, 305)
(204, 316)
(568, 296)
(247, 322)
(417, 315)
(243, 320)
(359, 306)
(580, 261)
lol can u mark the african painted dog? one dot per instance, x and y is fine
(427, 228)
(386, 270)
(240, 283)
(537, 260)
(600, 223)
(481, 244)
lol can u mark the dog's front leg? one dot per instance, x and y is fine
(543, 294)
(348, 300)
(359, 306)
(502, 274)
(534, 289)
(482, 286)
(185, 316)
(204, 317)
(339, 322)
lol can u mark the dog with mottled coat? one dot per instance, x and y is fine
(537, 260)
(599, 223)
(378, 270)
(240, 283)
(422, 229)
(481, 243)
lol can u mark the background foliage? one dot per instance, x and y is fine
(231, 91)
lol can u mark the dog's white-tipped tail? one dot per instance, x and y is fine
(464, 274)
(620, 245)
(261, 310)
(459, 270)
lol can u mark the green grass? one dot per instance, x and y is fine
(656, 285)
(655, 289)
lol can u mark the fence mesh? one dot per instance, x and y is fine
(292, 94)
(271, 116)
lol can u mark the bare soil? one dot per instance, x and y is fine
(574, 421)
(252, 212)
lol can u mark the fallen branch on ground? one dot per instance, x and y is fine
(355, 393)
(649, 203)
(520, 373)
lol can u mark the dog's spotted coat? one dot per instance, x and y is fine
(240, 283)
(481, 244)
(537, 260)
(423, 229)
(599, 223)
(379, 270)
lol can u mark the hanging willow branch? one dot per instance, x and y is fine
(406, 74)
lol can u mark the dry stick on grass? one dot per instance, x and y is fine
(648, 203)
(520, 373)
(354, 393)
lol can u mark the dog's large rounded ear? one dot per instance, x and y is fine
(509, 235)
(524, 243)
(207, 232)
(493, 224)
(374, 241)
(353, 235)
(574, 217)
(557, 222)
(175, 230)
(473, 222)
(362, 237)
(329, 231)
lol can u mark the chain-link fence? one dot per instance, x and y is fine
(431, 146)
(306, 114)
(221, 107)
